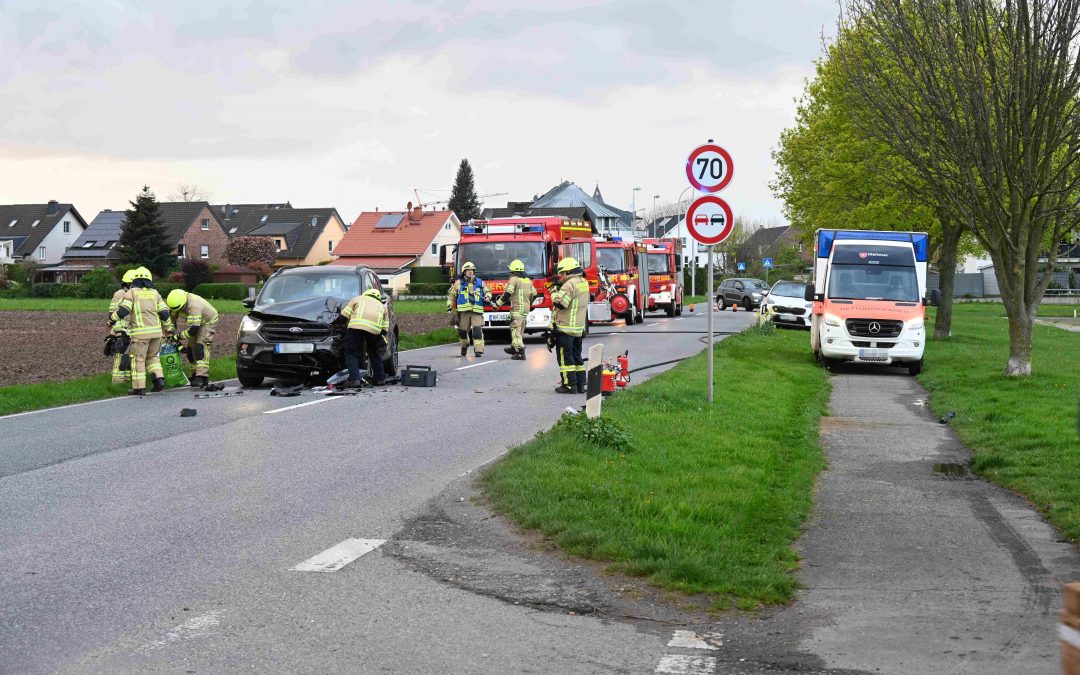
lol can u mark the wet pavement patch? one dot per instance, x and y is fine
(953, 470)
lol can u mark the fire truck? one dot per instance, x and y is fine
(665, 276)
(621, 261)
(491, 245)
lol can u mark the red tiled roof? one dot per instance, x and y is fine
(410, 238)
(380, 262)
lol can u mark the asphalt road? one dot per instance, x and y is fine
(134, 539)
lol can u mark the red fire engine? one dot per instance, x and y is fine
(493, 244)
(665, 282)
(620, 261)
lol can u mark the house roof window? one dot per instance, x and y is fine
(232, 230)
(89, 244)
(35, 223)
(12, 223)
(263, 219)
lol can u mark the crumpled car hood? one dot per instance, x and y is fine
(324, 309)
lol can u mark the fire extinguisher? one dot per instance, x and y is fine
(623, 378)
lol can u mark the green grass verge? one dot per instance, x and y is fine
(419, 306)
(701, 499)
(439, 336)
(23, 397)
(1022, 431)
(92, 305)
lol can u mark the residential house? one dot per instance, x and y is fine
(303, 236)
(39, 232)
(567, 199)
(769, 242)
(394, 242)
(95, 247)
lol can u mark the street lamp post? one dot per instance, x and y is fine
(693, 247)
(633, 211)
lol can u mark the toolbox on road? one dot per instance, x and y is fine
(418, 376)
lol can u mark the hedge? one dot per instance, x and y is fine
(427, 289)
(222, 291)
(54, 290)
(428, 275)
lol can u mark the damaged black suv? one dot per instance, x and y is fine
(295, 331)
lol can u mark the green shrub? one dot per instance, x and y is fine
(428, 275)
(196, 272)
(98, 283)
(54, 290)
(222, 291)
(164, 287)
(603, 432)
(427, 289)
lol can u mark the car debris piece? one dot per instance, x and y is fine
(220, 394)
(187, 412)
(281, 390)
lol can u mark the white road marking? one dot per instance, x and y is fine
(688, 639)
(679, 664)
(482, 363)
(336, 557)
(301, 405)
(196, 626)
(657, 323)
(680, 319)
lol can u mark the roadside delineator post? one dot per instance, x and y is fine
(594, 381)
(1069, 630)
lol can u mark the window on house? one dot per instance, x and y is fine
(88, 244)
(331, 245)
(12, 223)
(277, 242)
(35, 224)
(181, 251)
(41, 253)
(434, 249)
(110, 244)
(204, 251)
(263, 219)
(206, 223)
(67, 226)
(232, 230)
(447, 225)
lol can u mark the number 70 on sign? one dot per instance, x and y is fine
(709, 168)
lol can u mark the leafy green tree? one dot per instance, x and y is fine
(143, 238)
(463, 199)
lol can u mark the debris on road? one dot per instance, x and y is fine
(220, 394)
(187, 412)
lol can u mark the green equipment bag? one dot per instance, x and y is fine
(173, 365)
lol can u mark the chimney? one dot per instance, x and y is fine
(53, 207)
(417, 214)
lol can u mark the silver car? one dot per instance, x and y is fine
(786, 306)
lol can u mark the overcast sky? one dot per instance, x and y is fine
(353, 104)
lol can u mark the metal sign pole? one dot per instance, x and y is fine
(709, 302)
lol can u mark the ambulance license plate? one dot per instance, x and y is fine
(873, 353)
(294, 348)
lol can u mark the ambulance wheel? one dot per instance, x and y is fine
(248, 379)
(915, 367)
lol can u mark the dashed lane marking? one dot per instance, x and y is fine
(302, 405)
(680, 664)
(336, 557)
(482, 363)
(688, 639)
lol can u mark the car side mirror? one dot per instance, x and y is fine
(808, 294)
(248, 302)
(933, 298)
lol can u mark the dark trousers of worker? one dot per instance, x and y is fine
(357, 340)
(571, 364)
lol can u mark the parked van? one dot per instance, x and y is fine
(870, 297)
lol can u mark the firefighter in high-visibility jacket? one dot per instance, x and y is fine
(571, 303)
(200, 326)
(465, 306)
(368, 326)
(146, 313)
(519, 292)
(121, 371)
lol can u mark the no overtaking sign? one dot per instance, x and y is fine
(709, 220)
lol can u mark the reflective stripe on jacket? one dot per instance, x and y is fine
(468, 297)
(146, 309)
(366, 314)
(571, 303)
(120, 325)
(521, 293)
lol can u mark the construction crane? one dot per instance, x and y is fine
(422, 204)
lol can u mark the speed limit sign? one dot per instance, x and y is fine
(709, 220)
(709, 168)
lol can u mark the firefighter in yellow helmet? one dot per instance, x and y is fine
(146, 314)
(519, 292)
(465, 306)
(118, 340)
(200, 326)
(571, 303)
(368, 326)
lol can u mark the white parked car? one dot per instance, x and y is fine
(786, 306)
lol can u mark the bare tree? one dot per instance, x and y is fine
(981, 98)
(189, 192)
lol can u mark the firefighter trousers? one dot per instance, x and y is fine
(357, 341)
(517, 332)
(571, 363)
(145, 359)
(199, 349)
(471, 324)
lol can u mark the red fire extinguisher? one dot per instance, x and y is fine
(623, 378)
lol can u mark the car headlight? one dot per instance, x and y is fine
(914, 324)
(831, 320)
(249, 325)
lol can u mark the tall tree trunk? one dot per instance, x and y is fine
(950, 241)
(1021, 321)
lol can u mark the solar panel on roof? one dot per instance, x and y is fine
(389, 221)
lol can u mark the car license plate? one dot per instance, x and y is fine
(294, 348)
(789, 318)
(873, 353)
(498, 316)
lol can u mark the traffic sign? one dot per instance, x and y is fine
(709, 220)
(741, 267)
(766, 263)
(709, 168)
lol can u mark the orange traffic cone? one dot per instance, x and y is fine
(691, 308)
(734, 308)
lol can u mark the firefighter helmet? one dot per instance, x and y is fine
(517, 266)
(177, 298)
(142, 273)
(468, 266)
(373, 293)
(567, 264)
(128, 277)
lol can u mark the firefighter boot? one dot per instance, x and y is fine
(510, 350)
(200, 381)
(465, 350)
(519, 354)
(136, 392)
(159, 385)
(582, 380)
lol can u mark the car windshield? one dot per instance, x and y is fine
(492, 258)
(756, 284)
(658, 263)
(873, 282)
(788, 289)
(612, 259)
(289, 287)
